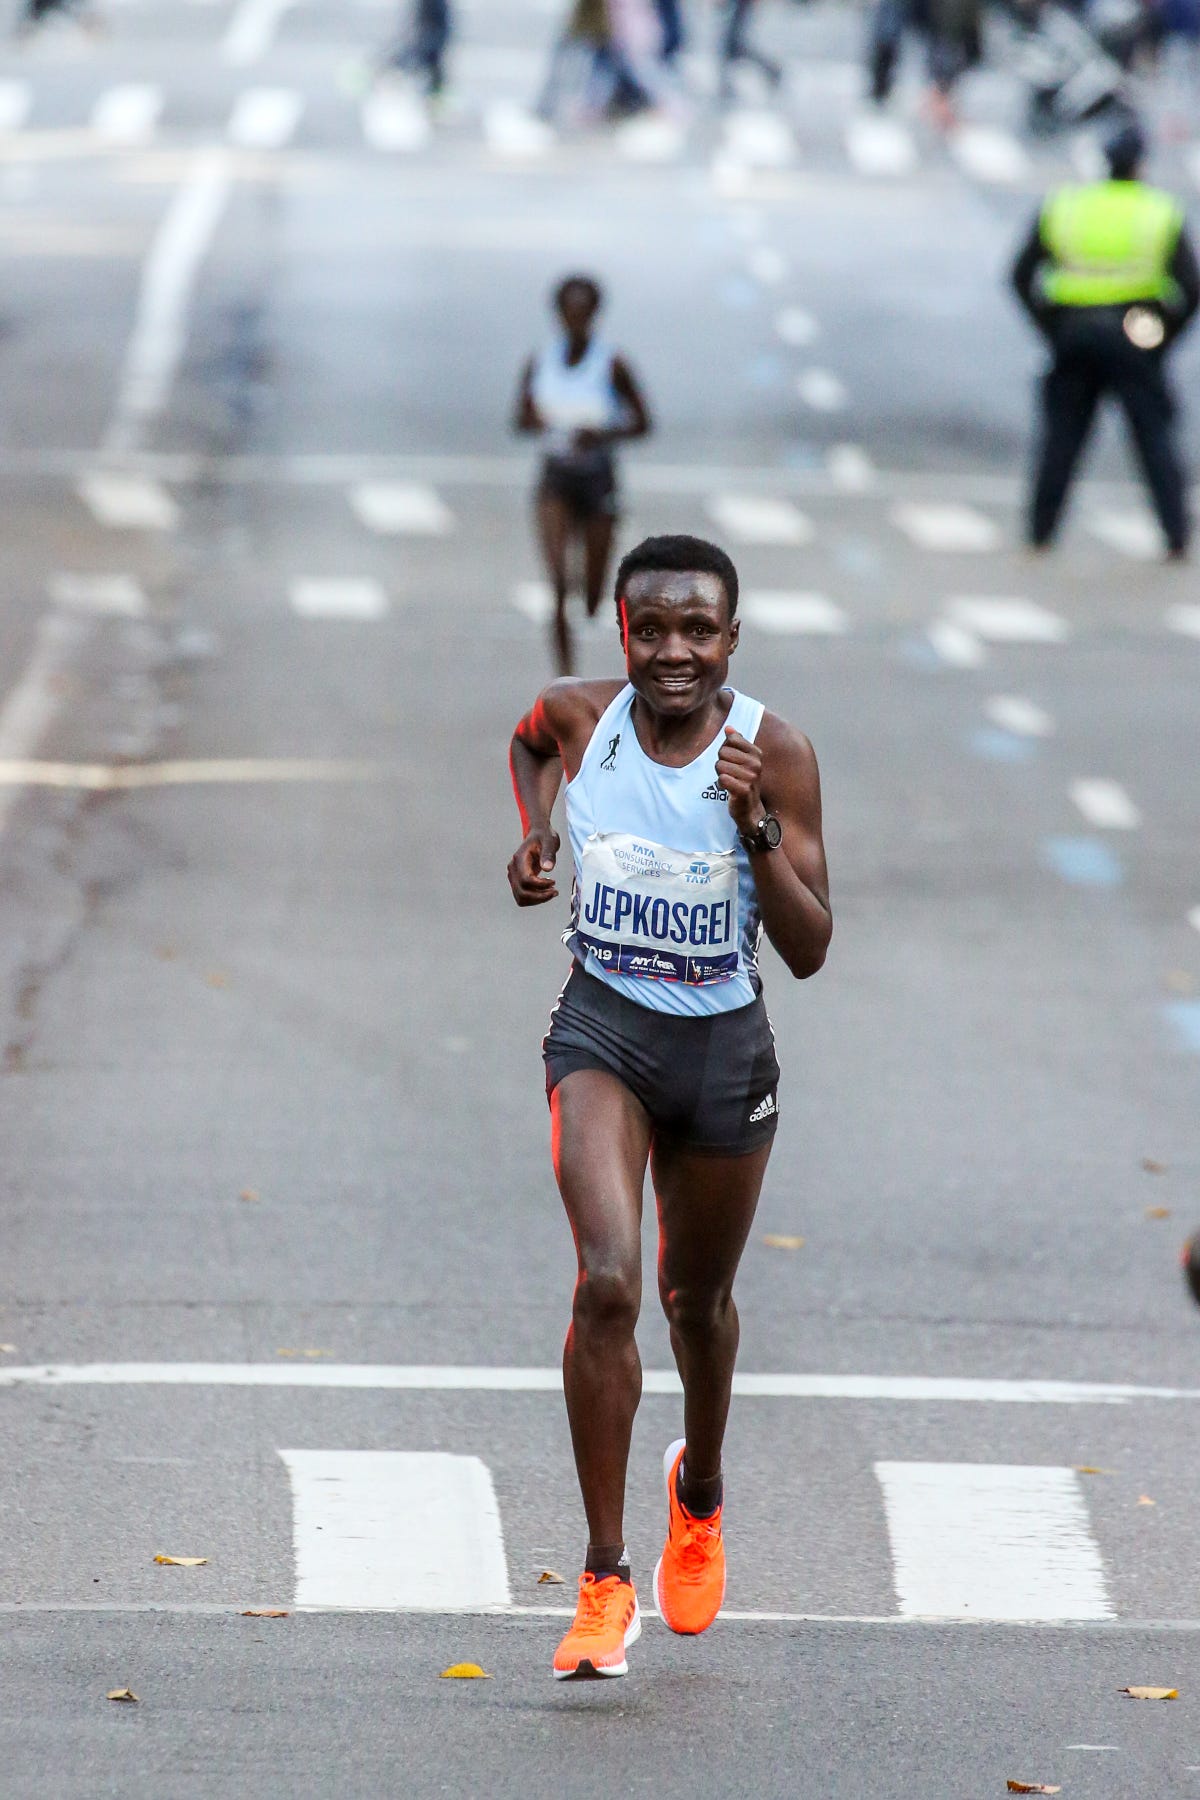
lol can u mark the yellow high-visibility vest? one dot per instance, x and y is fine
(1112, 243)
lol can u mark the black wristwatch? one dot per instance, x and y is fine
(767, 835)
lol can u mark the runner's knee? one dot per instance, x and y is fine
(695, 1311)
(608, 1293)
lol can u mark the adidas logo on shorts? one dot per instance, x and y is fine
(765, 1109)
(714, 791)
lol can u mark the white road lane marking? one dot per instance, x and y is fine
(1012, 712)
(758, 519)
(1001, 620)
(128, 502)
(1134, 534)
(1194, 918)
(956, 646)
(394, 121)
(991, 1541)
(251, 30)
(822, 390)
(1191, 157)
(377, 1530)
(119, 595)
(650, 138)
(880, 146)
(1184, 619)
(31, 706)
(464, 1378)
(127, 114)
(782, 613)
(793, 325)
(513, 132)
(534, 600)
(850, 468)
(989, 154)
(946, 526)
(109, 778)
(1105, 804)
(757, 139)
(338, 597)
(157, 341)
(402, 507)
(16, 101)
(767, 264)
(264, 118)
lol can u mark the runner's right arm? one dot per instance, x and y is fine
(552, 736)
(526, 416)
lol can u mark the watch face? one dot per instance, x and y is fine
(772, 832)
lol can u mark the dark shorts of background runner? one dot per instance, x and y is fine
(586, 486)
(701, 1080)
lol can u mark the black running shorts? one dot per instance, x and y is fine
(709, 1084)
(586, 485)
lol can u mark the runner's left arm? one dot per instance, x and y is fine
(636, 422)
(778, 774)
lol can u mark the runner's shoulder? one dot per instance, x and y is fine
(571, 706)
(788, 755)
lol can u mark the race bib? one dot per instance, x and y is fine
(666, 915)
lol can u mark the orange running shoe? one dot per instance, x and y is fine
(689, 1579)
(607, 1621)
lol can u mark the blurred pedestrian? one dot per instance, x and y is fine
(736, 47)
(1109, 276)
(423, 51)
(35, 13)
(670, 22)
(582, 399)
(955, 44)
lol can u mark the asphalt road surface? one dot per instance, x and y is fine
(284, 1276)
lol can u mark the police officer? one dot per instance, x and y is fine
(1109, 276)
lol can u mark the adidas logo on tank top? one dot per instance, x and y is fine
(714, 792)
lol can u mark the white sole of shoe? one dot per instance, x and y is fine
(622, 1668)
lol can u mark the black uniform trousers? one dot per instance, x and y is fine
(1093, 357)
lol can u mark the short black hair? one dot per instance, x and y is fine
(679, 554)
(582, 281)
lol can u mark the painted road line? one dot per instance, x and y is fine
(947, 527)
(781, 613)
(376, 1530)
(880, 146)
(461, 1378)
(109, 778)
(1012, 712)
(956, 646)
(513, 132)
(991, 1541)
(251, 30)
(766, 264)
(1083, 862)
(1007, 621)
(1134, 534)
(822, 390)
(850, 468)
(127, 114)
(1194, 918)
(264, 118)
(1183, 1016)
(31, 706)
(758, 140)
(16, 101)
(1183, 619)
(652, 138)
(411, 508)
(758, 519)
(119, 595)
(128, 502)
(1191, 158)
(156, 344)
(338, 597)
(394, 121)
(795, 326)
(534, 600)
(989, 154)
(999, 746)
(1105, 804)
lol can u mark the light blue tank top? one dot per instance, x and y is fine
(664, 907)
(574, 397)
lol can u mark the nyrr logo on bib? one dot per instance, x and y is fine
(640, 911)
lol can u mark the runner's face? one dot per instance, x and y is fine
(678, 639)
(577, 310)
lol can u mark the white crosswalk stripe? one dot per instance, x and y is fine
(121, 595)
(129, 502)
(393, 121)
(1183, 619)
(265, 118)
(1105, 803)
(409, 508)
(758, 140)
(822, 390)
(850, 468)
(990, 154)
(1134, 534)
(1012, 712)
(338, 597)
(793, 325)
(780, 612)
(16, 101)
(757, 519)
(956, 646)
(946, 526)
(651, 138)
(880, 146)
(127, 114)
(1007, 621)
(513, 132)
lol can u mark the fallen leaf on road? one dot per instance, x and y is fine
(464, 1672)
(182, 1562)
(1180, 981)
(248, 1194)
(1145, 1500)
(1153, 1168)
(216, 979)
(1158, 1212)
(1087, 1469)
(777, 1242)
(7, 1349)
(291, 1352)
(551, 1577)
(1032, 1787)
(264, 1612)
(1148, 1693)
(120, 1694)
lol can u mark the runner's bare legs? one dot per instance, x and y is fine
(554, 523)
